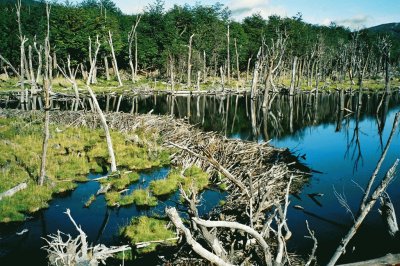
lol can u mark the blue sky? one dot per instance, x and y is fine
(352, 13)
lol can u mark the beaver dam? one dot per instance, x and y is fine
(257, 177)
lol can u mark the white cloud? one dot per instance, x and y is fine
(356, 22)
(241, 9)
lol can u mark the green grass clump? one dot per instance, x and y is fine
(166, 186)
(139, 197)
(143, 198)
(143, 229)
(112, 198)
(196, 178)
(90, 201)
(193, 177)
(72, 153)
(120, 182)
(223, 186)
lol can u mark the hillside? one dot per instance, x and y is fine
(392, 29)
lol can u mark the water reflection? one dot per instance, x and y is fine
(339, 134)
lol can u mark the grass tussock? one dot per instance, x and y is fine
(72, 154)
(143, 229)
(192, 177)
(139, 197)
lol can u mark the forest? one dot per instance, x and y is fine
(155, 43)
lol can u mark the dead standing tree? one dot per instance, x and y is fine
(132, 36)
(23, 40)
(98, 109)
(110, 42)
(71, 77)
(274, 54)
(189, 66)
(384, 46)
(47, 88)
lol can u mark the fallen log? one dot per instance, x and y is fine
(13, 190)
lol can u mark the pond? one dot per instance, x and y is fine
(101, 224)
(328, 133)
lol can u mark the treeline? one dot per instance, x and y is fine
(219, 46)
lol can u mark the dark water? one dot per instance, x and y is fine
(342, 146)
(101, 224)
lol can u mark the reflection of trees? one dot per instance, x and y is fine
(238, 114)
(354, 145)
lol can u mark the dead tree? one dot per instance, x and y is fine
(384, 46)
(23, 40)
(292, 82)
(131, 37)
(46, 86)
(189, 64)
(110, 42)
(237, 62)
(228, 58)
(360, 218)
(389, 215)
(274, 54)
(369, 199)
(71, 77)
(99, 111)
(256, 240)
(77, 251)
(10, 66)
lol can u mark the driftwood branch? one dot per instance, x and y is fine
(389, 215)
(379, 164)
(239, 226)
(13, 190)
(312, 256)
(76, 251)
(360, 218)
(199, 249)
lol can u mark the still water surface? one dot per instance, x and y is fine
(328, 132)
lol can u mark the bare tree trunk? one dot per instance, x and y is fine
(255, 75)
(237, 62)
(248, 69)
(189, 66)
(228, 58)
(204, 67)
(23, 40)
(292, 82)
(198, 80)
(131, 37)
(368, 206)
(46, 86)
(136, 56)
(100, 112)
(32, 75)
(389, 215)
(387, 73)
(106, 68)
(6, 72)
(199, 249)
(110, 42)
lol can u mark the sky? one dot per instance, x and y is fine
(355, 14)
